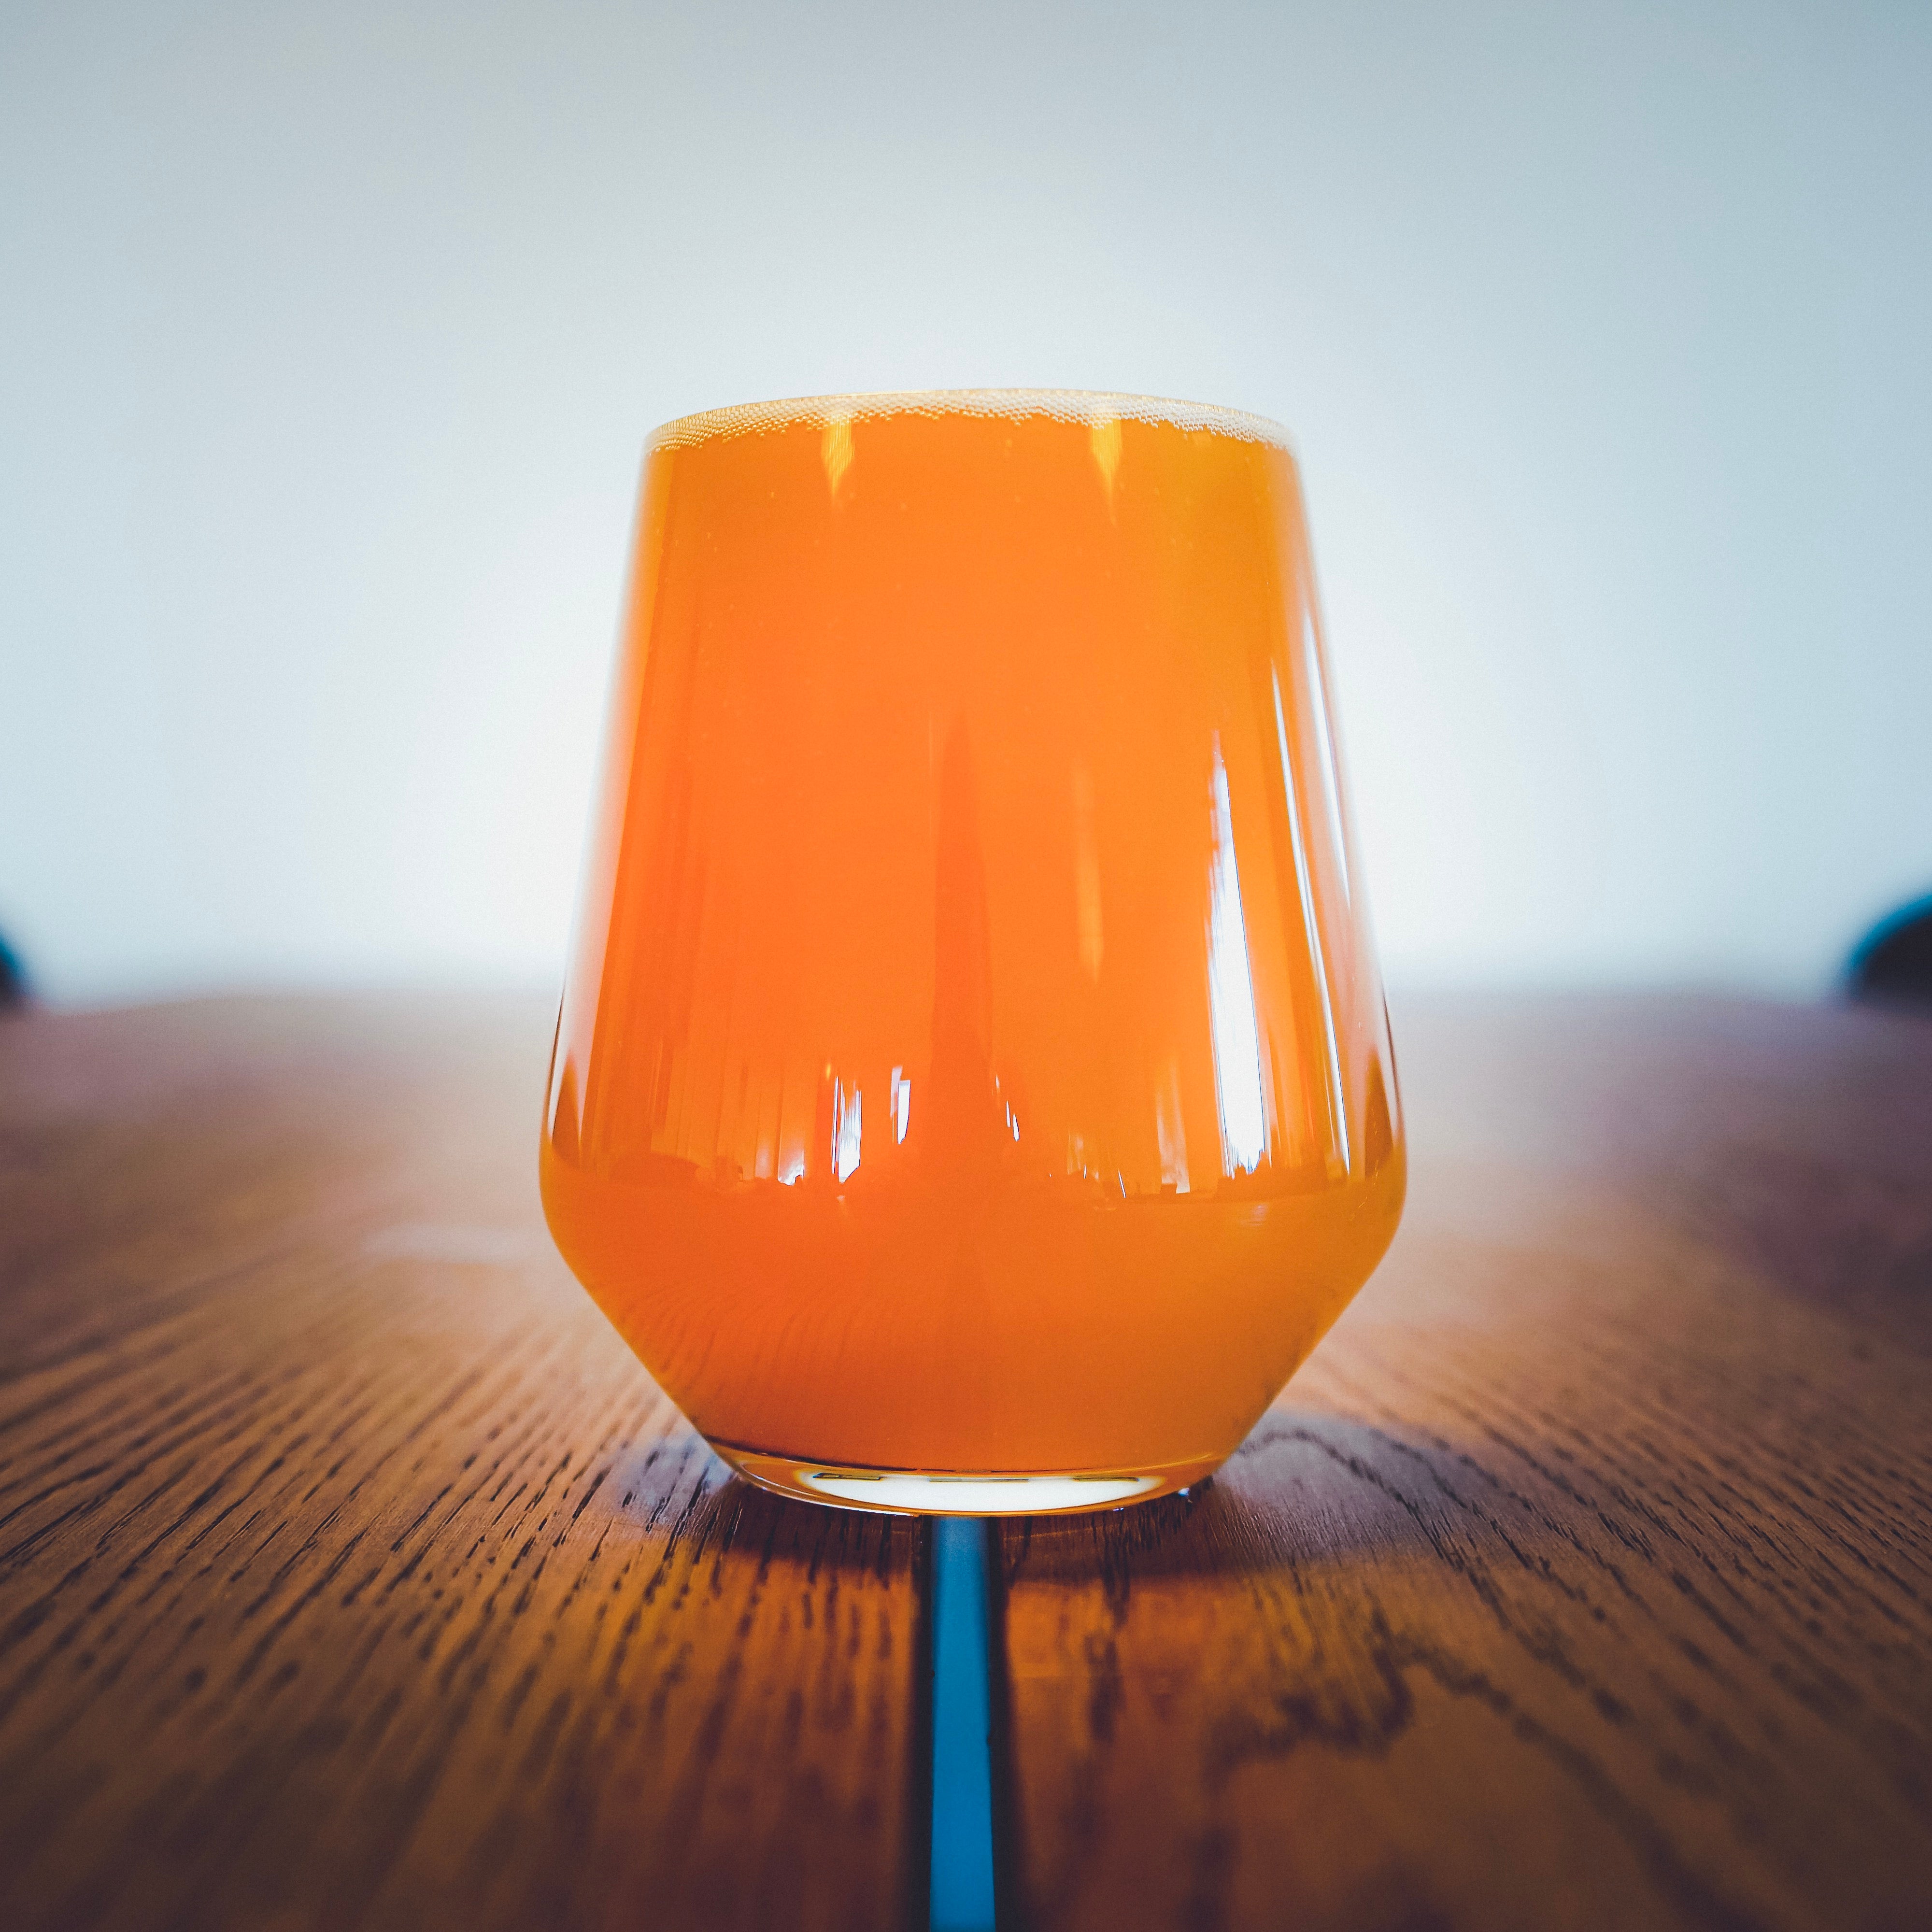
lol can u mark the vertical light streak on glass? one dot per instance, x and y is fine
(1386, 1048)
(1325, 746)
(849, 1106)
(1172, 1134)
(1230, 998)
(835, 451)
(1104, 440)
(1337, 1112)
(1087, 875)
(901, 1103)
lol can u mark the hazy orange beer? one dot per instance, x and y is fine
(973, 1090)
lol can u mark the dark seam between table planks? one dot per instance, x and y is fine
(1584, 1577)
(352, 1572)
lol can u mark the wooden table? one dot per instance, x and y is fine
(353, 1573)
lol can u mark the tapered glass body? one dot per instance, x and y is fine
(972, 1088)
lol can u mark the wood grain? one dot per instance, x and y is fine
(1584, 1578)
(352, 1572)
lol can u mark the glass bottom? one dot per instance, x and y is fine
(964, 1492)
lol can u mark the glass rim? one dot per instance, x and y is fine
(1092, 407)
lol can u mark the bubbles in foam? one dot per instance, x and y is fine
(1091, 407)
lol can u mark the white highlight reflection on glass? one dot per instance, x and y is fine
(1171, 1133)
(848, 1107)
(1087, 875)
(1337, 1113)
(834, 451)
(1230, 998)
(901, 1103)
(1104, 440)
(1324, 746)
(977, 1496)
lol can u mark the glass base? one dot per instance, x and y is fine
(966, 1492)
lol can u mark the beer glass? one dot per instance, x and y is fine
(973, 1090)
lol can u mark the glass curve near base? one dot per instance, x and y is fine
(946, 1492)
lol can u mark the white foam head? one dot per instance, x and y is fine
(1089, 406)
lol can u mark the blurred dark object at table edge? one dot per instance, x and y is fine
(1893, 963)
(13, 979)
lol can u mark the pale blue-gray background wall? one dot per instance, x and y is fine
(329, 336)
